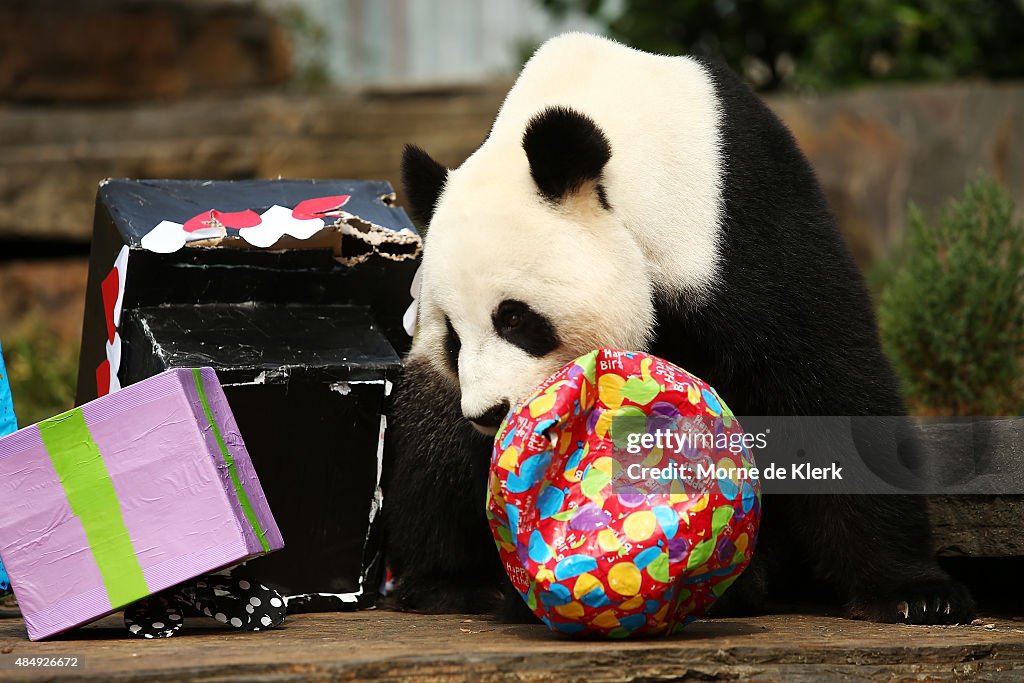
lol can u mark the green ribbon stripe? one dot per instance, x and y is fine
(243, 497)
(90, 492)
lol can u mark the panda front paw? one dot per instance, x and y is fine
(936, 601)
(446, 597)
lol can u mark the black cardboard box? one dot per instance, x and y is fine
(294, 291)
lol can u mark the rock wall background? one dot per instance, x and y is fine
(103, 50)
(875, 150)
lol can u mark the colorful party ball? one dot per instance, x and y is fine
(621, 497)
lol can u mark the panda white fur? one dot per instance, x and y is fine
(630, 200)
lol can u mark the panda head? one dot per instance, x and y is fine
(525, 265)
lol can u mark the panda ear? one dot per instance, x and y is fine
(566, 151)
(423, 180)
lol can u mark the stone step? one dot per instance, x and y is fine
(390, 646)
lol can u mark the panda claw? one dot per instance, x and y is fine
(941, 601)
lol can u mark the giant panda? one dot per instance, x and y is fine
(630, 200)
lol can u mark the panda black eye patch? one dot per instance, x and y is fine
(452, 346)
(520, 325)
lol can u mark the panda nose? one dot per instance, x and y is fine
(491, 417)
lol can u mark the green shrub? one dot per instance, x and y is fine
(951, 315)
(819, 44)
(42, 369)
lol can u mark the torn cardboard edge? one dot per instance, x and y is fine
(281, 374)
(350, 239)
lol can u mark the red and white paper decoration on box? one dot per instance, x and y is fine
(261, 230)
(112, 290)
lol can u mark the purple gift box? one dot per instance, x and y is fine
(125, 496)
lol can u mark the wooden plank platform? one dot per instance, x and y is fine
(389, 646)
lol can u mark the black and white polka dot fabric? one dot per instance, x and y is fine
(157, 616)
(239, 602)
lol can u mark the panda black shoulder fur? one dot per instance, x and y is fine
(636, 201)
